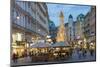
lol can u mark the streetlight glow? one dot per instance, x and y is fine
(38, 29)
(19, 38)
(17, 17)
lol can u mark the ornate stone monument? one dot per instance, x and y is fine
(61, 34)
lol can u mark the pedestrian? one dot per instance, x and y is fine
(80, 53)
(14, 57)
(84, 52)
(91, 50)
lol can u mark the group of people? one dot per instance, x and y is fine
(16, 56)
(83, 52)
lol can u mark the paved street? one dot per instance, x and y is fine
(88, 57)
(74, 58)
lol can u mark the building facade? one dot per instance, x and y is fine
(67, 32)
(70, 25)
(80, 27)
(90, 25)
(29, 23)
(75, 29)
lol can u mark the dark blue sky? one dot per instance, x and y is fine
(75, 10)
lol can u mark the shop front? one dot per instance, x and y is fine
(20, 51)
(61, 52)
(39, 52)
(18, 44)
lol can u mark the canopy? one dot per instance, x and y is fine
(60, 44)
(39, 45)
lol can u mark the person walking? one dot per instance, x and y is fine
(84, 52)
(14, 57)
(91, 50)
(80, 53)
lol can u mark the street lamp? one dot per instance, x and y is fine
(39, 30)
(17, 17)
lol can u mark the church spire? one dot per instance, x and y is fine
(70, 16)
(61, 14)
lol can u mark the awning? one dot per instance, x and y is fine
(60, 44)
(40, 45)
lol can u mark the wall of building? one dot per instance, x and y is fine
(90, 25)
(70, 21)
(29, 22)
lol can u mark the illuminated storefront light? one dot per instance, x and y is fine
(13, 38)
(65, 48)
(85, 45)
(48, 36)
(14, 51)
(79, 42)
(75, 46)
(63, 53)
(22, 50)
(19, 37)
(55, 54)
(27, 45)
(49, 40)
(43, 51)
(57, 49)
(84, 40)
(91, 43)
